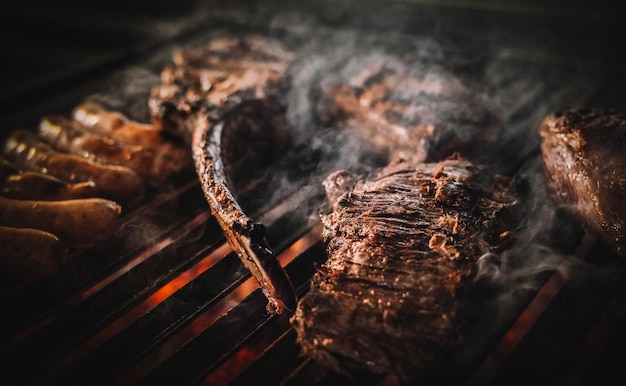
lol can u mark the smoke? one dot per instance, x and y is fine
(519, 86)
(327, 56)
(127, 91)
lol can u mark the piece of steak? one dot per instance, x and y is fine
(583, 154)
(215, 76)
(397, 290)
(224, 98)
(411, 110)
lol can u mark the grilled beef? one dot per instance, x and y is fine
(583, 154)
(214, 77)
(412, 111)
(225, 99)
(396, 292)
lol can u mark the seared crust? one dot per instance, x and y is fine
(394, 294)
(585, 161)
(155, 160)
(30, 185)
(222, 98)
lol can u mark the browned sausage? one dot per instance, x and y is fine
(115, 182)
(30, 253)
(152, 163)
(30, 185)
(78, 223)
(96, 118)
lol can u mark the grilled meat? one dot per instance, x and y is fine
(424, 113)
(246, 236)
(30, 253)
(155, 164)
(583, 154)
(114, 182)
(396, 291)
(214, 77)
(79, 223)
(168, 155)
(30, 185)
(213, 97)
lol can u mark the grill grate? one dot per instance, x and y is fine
(166, 301)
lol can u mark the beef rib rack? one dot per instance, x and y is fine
(222, 97)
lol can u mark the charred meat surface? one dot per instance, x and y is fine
(412, 111)
(212, 78)
(224, 99)
(583, 154)
(31, 185)
(396, 291)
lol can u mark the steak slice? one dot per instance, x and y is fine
(395, 294)
(412, 110)
(583, 154)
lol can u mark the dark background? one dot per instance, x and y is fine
(56, 51)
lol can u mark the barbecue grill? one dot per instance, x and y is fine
(166, 301)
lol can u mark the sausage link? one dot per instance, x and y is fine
(96, 118)
(79, 223)
(30, 185)
(30, 253)
(155, 165)
(115, 182)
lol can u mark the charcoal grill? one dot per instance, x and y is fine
(166, 301)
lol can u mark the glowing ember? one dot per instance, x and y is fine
(211, 315)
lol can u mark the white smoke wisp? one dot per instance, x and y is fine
(127, 91)
(548, 242)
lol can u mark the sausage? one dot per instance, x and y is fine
(31, 185)
(63, 135)
(78, 223)
(151, 163)
(30, 253)
(115, 182)
(96, 118)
